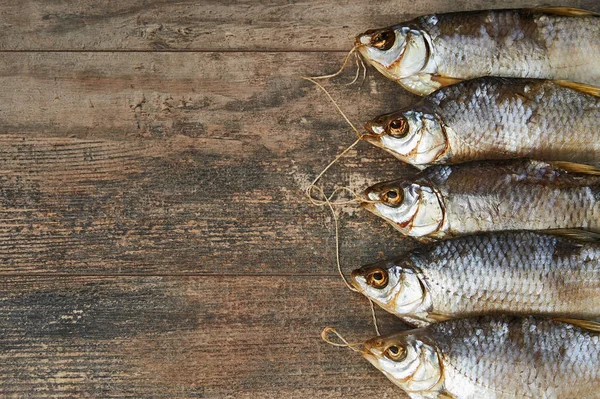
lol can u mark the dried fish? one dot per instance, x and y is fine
(453, 200)
(492, 357)
(494, 118)
(434, 51)
(516, 272)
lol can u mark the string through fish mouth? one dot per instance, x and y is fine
(374, 316)
(330, 330)
(360, 65)
(364, 67)
(344, 64)
(357, 71)
(326, 200)
(355, 197)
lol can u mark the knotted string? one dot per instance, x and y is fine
(346, 344)
(326, 200)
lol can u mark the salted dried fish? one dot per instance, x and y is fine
(433, 51)
(516, 272)
(492, 357)
(453, 200)
(494, 118)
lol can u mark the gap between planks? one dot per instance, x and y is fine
(201, 50)
(182, 275)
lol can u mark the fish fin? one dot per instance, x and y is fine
(577, 234)
(566, 11)
(573, 167)
(438, 317)
(415, 322)
(445, 80)
(425, 239)
(585, 324)
(419, 84)
(580, 87)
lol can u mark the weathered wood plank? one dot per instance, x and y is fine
(201, 95)
(215, 24)
(181, 163)
(186, 337)
(181, 175)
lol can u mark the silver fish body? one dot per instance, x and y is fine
(436, 50)
(494, 118)
(453, 200)
(512, 272)
(492, 357)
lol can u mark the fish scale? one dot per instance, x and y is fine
(473, 292)
(492, 357)
(434, 51)
(502, 121)
(500, 285)
(522, 365)
(516, 272)
(507, 204)
(494, 118)
(447, 201)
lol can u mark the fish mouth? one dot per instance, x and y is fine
(354, 276)
(372, 139)
(370, 195)
(369, 206)
(364, 39)
(367, 199)
(368, 346)
(374, 133)
(369, 357)
(374, 128)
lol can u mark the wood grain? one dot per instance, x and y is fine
(176, 337)
(170, 167)
(155, 240)
(199, 25)
(170, 163)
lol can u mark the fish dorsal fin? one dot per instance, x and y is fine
(580, 87)
(573, 167)
(576, 234)
(585, 324)
(566, 11)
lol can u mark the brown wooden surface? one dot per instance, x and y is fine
(286, 25)
(155, 241)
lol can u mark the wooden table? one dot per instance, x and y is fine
(154, 234)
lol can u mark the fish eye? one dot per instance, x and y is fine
(378, 278)
(395, 352)
(383, 40)
(393, 197)
(398, 128)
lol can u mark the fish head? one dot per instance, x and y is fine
(409, 359)
(397, 52)
(395, 286)
(416, 208)
(414, 136)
